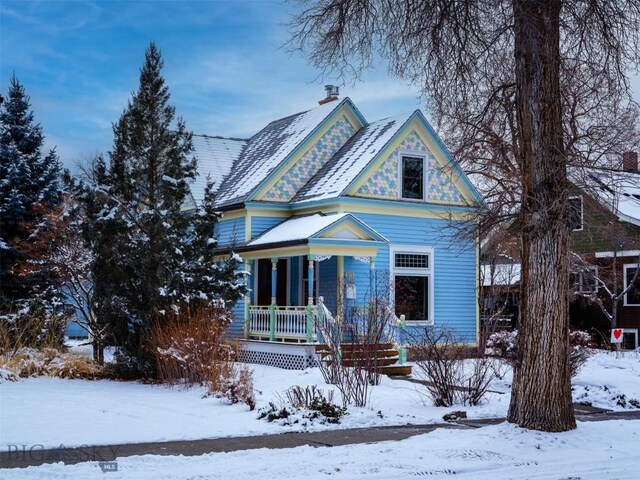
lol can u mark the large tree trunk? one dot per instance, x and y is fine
(541, 396)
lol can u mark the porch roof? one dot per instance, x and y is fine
(317, 234)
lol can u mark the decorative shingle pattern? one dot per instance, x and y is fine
(338, 173)
(267, 149)
(311, 162)
(384, 182)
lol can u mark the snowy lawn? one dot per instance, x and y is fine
(595, 451)
(53, 412)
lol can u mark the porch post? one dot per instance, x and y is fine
(247, 300)
(272, 307)
(310, 306)
(310, 276)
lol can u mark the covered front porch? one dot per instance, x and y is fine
(301, 273)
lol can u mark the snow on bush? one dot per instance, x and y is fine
(504, 344)
(304, 407)
(28, 362)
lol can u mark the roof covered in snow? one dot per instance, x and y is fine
(306, 227)
(619, 191)
(215, 156)
(336, 175)
(268, 149)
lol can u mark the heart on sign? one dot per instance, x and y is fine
(617, 333)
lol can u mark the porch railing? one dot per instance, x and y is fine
(282, 323)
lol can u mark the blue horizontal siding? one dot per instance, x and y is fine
(261, 224)
(454, 266)
(230, 232)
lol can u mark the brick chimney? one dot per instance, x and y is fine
(630, 161)
(332, 94)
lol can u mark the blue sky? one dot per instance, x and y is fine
(227, 74)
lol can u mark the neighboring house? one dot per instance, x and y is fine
(606, 237)
(606, 250)
(322, 204)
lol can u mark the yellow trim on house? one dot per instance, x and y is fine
(247, 227)
(283, 169)
(415, 125)
(233, 214)
(260, 212)
(297, 250)
(357, 231)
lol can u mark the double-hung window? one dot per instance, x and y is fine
(412, 283)
(412, 177)
(585, 280)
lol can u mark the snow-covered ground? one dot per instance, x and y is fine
(53, 412)
(595, 451)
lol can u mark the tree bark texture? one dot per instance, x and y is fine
(541, 396)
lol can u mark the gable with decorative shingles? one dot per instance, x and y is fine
(311, 161)
(383, 183)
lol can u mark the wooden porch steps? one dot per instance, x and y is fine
(386, 357)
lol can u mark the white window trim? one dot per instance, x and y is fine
(409, 153)
(580, 274)
(628, 266)
(422, 272)
(581, 213)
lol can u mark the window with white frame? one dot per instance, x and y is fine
(412, 177)
(576, 213)
(412, 277)
(585, 280)
(632, 277)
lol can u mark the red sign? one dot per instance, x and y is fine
(616, 335)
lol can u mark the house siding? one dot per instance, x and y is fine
(454, 268)
(230, 232)
(261, 224)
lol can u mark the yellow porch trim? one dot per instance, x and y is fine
(433, 148)
(357, 231)
(299, 250)
(342, 111)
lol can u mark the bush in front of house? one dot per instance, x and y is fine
(28, 362)
(451, 377)
(504, 344)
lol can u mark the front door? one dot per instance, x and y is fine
(264, 282)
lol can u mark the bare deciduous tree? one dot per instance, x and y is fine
(500, 64)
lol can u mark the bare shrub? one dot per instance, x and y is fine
(305, 397)
(451, 377)
(355, 364)
(504, 344)
(581, 349)
(189, 346)
(237, 387)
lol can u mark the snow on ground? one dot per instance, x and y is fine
(595, 451)
(83, 347)
(53, 412)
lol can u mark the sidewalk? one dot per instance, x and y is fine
(330, 438)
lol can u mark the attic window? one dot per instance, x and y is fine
(576, 213)
(412, 177)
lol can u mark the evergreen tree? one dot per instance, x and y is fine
(150, 254)
(27, 179)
